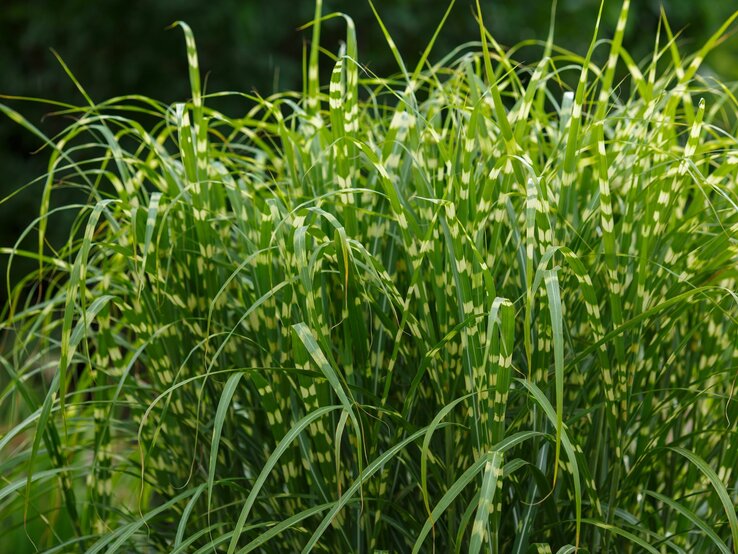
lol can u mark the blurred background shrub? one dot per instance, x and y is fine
(121, 47)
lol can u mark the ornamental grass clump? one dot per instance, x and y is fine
(468, 307)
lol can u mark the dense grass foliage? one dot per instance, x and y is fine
(464, 308)
(122, 50)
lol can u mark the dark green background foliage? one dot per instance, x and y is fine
(121, 47)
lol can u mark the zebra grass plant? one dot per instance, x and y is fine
(463, 308)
